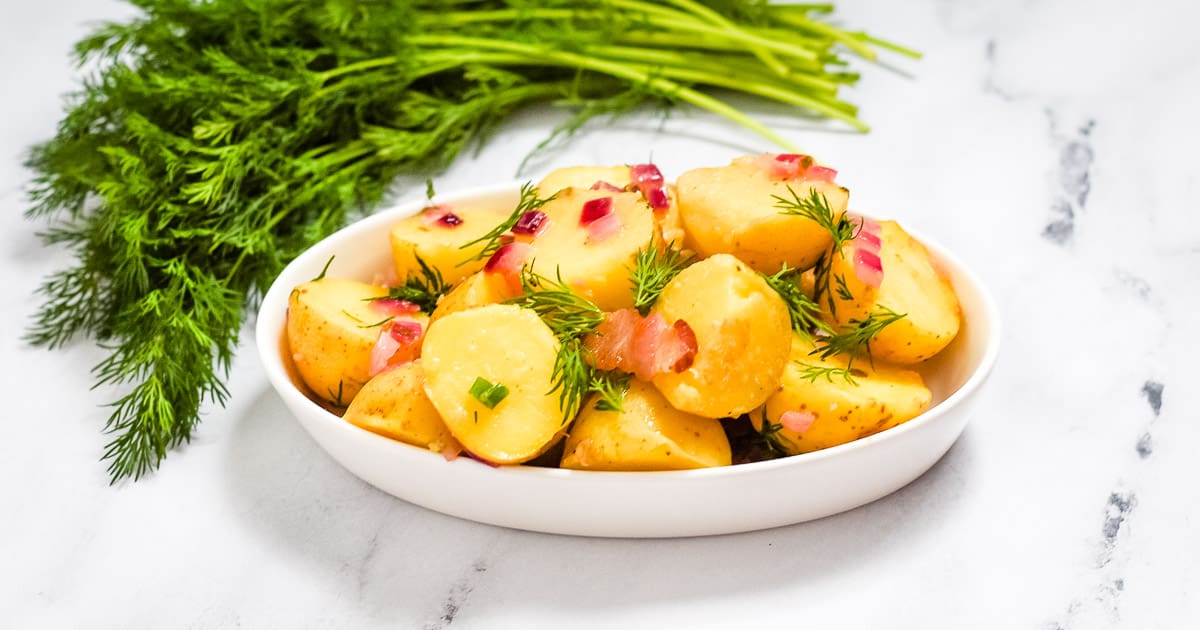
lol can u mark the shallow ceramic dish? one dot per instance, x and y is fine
(635, 504)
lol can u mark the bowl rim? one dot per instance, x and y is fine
(273, 363)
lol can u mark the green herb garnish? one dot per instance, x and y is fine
(488, 394)
(802, 311)
(214, 141)
(611, 386)
(812, 373)
(857, 336)
(816, 207)
(492, 240)
(424, 288)
(653, 269)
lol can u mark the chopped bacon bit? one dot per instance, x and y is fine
(658, 200)
(603, 228)
(508, 261)
(820, 174)
(442, 215)
(531, 223)
(394, 307)
(643, 346)
(399, 342)
(868, 267)
(603, 185)
(685, 350)
(594, 209)
(797, 421)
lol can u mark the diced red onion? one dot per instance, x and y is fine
(868, 235)
(531, 223)
(479, 459)
(594, 209)
(604, 228)
(868, 267)
(394, 307)
(405, 331)
(399, 342)
(509, 258)
(385, 346)
(441, 215)
(797, 421)
(646, 176)
(658, 199)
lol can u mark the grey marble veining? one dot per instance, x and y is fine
(1050, 143)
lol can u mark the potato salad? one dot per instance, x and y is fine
(611, 320)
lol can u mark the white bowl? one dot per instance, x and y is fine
(631, 504)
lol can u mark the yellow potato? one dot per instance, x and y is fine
(328, 336)
(439, 245)
(669, 223)
(393, 404)
(506, 345)
(911, 285)
(598, 270)
(647, 434)
(479, 289)
(583, 177)
(731, 210)
(882, 397)
(742, 330)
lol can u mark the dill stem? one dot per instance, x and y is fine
(764, 55)
(662, 86)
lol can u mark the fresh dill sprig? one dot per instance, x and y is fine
(812, 373)
(840, 227)
(424, 288)
(653, 269)
(569, 316)
(611, 387)
(802, 311)
(529, 201)
(324, 270)
(843, 291)
(857, 335)
(816, 207)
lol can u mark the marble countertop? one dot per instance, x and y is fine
(1050, 143)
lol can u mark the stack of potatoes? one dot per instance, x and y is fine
(748, 361)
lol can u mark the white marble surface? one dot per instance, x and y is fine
(1051, 143)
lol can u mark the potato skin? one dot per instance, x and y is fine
(440, 246)
(911, 285)
(599, 271)
(393, 404)
(506, 345)
(329, 344)
(732, 210)
(885, 396)
(647, 434)
(741, 328)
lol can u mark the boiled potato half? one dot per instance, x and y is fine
(732, 210)
(647, 434)
(507, 346)
(479, 289)
(597, 269)
(393, 404)
(911, 285)
(741, 328)
(330, 335)
(879, 398)
(439, 242)
(668, 222)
